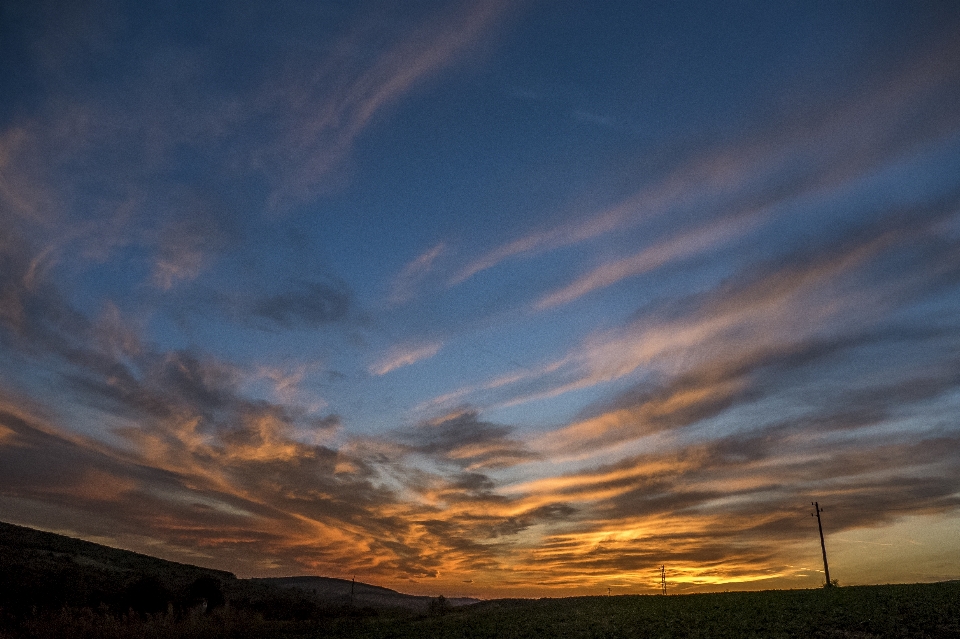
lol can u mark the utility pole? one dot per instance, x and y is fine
(663, 580)
(823, 548)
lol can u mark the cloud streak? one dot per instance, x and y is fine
(404, 355)
(889, 121)
(684, 246)
(329, 121)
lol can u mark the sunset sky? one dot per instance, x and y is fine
(486, 298)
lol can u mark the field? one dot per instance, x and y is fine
(56, 587)
(922, 610)
(919, 610)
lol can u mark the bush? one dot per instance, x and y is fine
(206, 590)
(438, 606)
(147, 596)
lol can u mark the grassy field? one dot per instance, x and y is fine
(920, 610)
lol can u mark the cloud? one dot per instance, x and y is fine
(856, 283)
(89, 480)
(733, 509)
(573, 233)
(213, 471)
(810, 293)
(90, 171)
(461, 438)
(204, 467)
(287, 383)
(684, 245)
(400, 356)
(21, 197)
(404, 286)
(340, 98)
(192, 460)
(820, 149)
(34, 314)
(187, 241)
(308, 305)
(825, 373)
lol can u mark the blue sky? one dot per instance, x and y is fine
(485, 298)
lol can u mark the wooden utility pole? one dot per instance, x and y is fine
(663, 580)
(823, 548)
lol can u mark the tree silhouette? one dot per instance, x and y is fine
(206, 590)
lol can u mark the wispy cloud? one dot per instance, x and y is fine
(685, 245)
(132, 156)
(406, 282)
(186, 246)
(203, 467)
(818, 151)
(810, 306)
(404, 355)
(332, 108)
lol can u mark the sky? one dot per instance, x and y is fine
(485, 297)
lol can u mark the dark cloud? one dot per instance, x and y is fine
(550, 513)
(718, 386)
(762, 480)
(209, 468)
(308, 305)
(465, 440)
(205, 467)
(154, 385)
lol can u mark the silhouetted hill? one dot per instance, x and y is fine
(339, 590)
(47, 571)
(27, 542)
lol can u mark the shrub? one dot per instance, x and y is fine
(438, 606)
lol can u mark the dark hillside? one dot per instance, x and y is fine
(27, 542)
(46, 571)
(340, 591)
(42, 571)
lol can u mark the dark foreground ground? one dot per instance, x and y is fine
(921, 610)
(53, 586)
